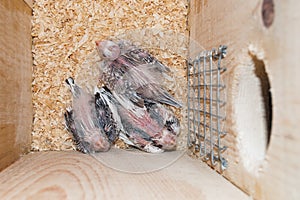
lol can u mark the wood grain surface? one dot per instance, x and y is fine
(15, 80)
(72, 175)
(29, 3)
(271, 172)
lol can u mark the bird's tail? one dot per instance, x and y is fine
(170, 100)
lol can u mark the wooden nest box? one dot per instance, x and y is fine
(43, 42)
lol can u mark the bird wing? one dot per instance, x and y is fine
(141, 56)
(143, 82)
(105, 117)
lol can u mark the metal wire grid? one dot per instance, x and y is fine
(206, 105)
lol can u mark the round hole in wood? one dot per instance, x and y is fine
(253, 113)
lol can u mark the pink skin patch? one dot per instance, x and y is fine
(108, 49)
(146, 123)
(101, 145)
(166, 139)
(139, 140)
(97, 142)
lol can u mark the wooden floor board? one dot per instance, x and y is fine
(72, 175)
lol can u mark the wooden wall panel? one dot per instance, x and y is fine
(29, 3)
(264, 173)
(15, 80)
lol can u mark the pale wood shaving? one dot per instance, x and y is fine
(64, 34)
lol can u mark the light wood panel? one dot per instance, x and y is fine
(239, 25)
(72, 175)
(29, 3)
(15, 80)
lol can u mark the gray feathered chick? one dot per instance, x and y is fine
(152, 128)
(132, 73)
(83, 123)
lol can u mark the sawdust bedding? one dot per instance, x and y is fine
(64, 34)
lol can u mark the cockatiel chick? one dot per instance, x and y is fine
(166, 139)
(127, 131)
(82, 122)
(131, 73)
(153, 130)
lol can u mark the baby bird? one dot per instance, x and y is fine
(129, 130)
(166, 139)
(131, 73)
(154, 130)
(83, 123)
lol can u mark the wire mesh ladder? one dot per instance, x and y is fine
(206, 105)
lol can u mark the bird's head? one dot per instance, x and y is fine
(98, 142)
(108, 49)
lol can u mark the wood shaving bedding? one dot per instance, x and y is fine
(64, 34)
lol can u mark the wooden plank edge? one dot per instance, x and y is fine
(29, 3)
